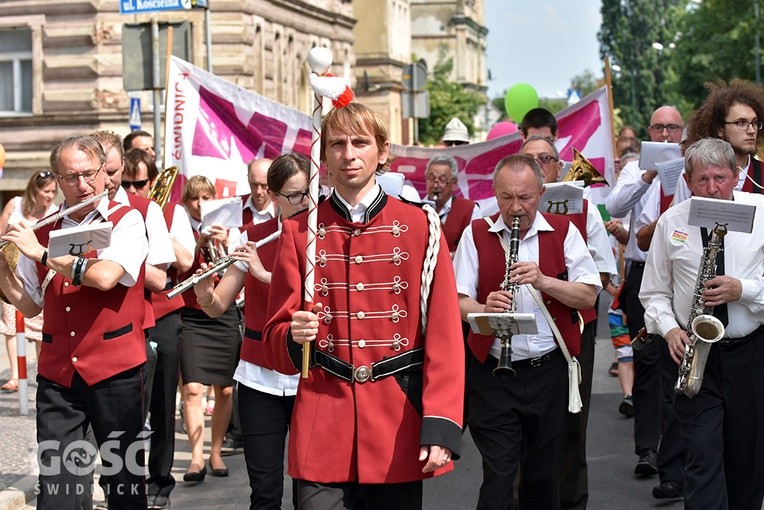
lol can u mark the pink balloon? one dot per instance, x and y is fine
(501, 129)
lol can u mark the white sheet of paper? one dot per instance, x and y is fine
(226, 212)
(493, 324)
(562, 198)
(392, 183)
(710, 212)
(653, 153)
(79, 240)
(669, 172)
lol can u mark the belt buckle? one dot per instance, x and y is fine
(362, 374)
(536, 362)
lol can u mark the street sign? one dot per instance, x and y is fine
(415, 105)
(136, 6)
(135, 113)
(414, 76)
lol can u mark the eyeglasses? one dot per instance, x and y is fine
(71, 179)
(45, 175)
(658, 128)
(438, 180)
(742, 124)
(136, 184)
(295, 198)
(545, 159)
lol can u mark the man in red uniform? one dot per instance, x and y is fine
(455, 212)
(382, 406)
(89, 370)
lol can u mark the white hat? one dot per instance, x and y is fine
(456, 131)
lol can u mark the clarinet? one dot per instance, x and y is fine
(504, 368)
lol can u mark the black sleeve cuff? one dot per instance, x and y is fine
(294, 350)
(442, 432)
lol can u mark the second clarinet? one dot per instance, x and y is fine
(504, 369)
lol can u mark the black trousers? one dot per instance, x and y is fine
(574, 480)
(113, 409)
(265, 423)
(520, 420)
(647, 388)
(672, 448)
(723, 429)
(166, 334)
(355, 496)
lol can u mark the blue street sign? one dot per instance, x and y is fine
(136, 6)
(135, 113)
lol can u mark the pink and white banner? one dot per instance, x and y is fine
(214, 128)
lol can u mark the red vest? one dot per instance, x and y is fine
(189, 296)
(163, 306)
(491, 268)
(255, 312)
(754, 172)
(580, 221)
(142, 204)
(246, 212)
(98, 334)
(458, 218)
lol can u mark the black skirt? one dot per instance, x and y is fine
(209, 348)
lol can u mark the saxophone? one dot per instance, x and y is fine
(504, 369)
(703, 328)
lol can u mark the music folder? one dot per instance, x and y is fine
(79, 240)
(504, 323)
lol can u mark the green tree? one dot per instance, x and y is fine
(639, 38)
(448, 99)
(717, 41)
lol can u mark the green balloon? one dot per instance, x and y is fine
(519, 100)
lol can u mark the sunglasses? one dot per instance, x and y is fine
(136, 184)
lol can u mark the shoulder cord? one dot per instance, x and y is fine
(430, 260)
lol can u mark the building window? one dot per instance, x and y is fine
(16, 70)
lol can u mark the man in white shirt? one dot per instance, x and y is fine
(257, 206)
(652, 386)
(722, 422)
(502, 410)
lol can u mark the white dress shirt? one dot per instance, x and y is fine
(629, 195)
(671, 272)
(358, 211)
(128, 248)
(161, 253)
(260, 216)
(581, 268)
(598, 243)
(180, 230)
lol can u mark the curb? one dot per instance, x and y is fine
(18, 494)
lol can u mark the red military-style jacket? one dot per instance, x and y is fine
(458, 219)
(367, 281)
(95, 333)
(253, 349)
(492, 266)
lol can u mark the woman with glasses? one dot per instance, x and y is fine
(35, 203)
(266, 397)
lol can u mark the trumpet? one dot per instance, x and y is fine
(60, 214)
(215, 268)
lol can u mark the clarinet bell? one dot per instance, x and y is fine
(504, 369)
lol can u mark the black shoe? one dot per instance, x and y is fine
(231, 445)
(667, 490)
(218, 471)
(195, 476)
(647, 464)
(627, 407)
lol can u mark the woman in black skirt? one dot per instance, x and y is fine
(209, 348)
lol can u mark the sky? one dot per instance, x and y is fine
(552, 41)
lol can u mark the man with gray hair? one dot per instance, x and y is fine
(455, 212)
(722, 423)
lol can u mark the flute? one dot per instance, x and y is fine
(215, 268)
(57, 216)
